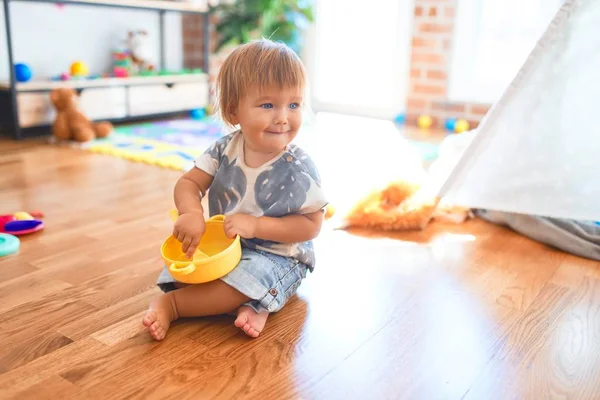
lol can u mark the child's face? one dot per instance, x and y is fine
(270, 119)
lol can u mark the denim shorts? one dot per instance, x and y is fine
(268, 279)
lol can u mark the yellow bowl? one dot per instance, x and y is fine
(223, 255)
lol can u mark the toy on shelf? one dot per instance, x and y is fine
(217, 254)
(424, 121)
(70, 123)
(22, 72)
(121, 63)
(8, 244)
(462, 125)
(79, 69)
(140, 51)
(21, 223)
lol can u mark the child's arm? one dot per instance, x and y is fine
(190, 189)
(188, 193)
(289, 229)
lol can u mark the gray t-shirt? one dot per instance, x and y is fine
(288, 184)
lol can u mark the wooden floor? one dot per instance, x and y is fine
(454, 312)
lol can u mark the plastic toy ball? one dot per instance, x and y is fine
(79, 69)
(198, 113)
(400, 119)
(450, 124)
(22, 72)
(462, 125)
(424, 121)
(64, 76)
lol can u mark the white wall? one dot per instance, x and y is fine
(49, 38)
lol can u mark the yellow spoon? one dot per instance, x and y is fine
(198, 254)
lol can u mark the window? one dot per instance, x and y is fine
(360, 56)
(492, 39)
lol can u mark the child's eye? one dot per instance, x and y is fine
(294, 106)
(267, 105)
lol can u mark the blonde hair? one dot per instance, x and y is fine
(257, 65)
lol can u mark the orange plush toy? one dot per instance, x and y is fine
(70, 122)
(397, 207)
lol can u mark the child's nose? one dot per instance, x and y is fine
(281, 117)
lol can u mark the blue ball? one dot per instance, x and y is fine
(22, 72)
(450, 124)
(400, 119)
(198, 113)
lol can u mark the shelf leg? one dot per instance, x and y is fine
(13, 82)
(162, 40)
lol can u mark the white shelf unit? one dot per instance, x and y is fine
(26, 107)
(114, 98)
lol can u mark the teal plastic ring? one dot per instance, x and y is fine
(8, 244)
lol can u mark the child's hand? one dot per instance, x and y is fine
(189, 229)
(240, 224)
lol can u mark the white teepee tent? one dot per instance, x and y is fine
(538, 149)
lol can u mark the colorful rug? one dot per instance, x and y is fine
(171, 144)
(176, 144)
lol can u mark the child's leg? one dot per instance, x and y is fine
(210, 298)
(250, 321)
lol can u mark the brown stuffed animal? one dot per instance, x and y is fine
(70, 122)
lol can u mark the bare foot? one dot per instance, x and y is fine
(250, 321)
(159, 316)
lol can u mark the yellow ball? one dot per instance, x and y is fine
(424, 121)
(79, 68)
(22, 216)
(461, 125)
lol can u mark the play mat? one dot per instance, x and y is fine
(176, 144)
(168, 144)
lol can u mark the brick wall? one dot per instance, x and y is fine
(431, 54)
(192, 26)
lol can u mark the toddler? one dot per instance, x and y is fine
(268, 189)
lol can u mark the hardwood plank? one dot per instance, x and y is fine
(52, 388)
(567, 364)
(29, 319)
(22, 352)
(220, 354)
(101, 319)
(122, 330)
(136, 372)
(25, 290)
(525, 342)
(42, 368)
(117, 370)
(11, 271)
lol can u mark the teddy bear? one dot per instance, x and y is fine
(140, 51)
(70, 123)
